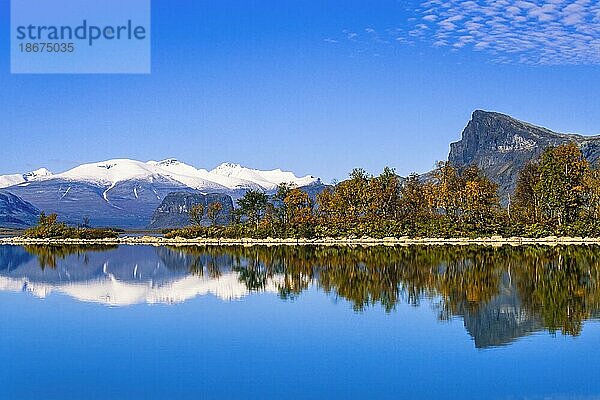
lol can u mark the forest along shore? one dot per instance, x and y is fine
(349, 241)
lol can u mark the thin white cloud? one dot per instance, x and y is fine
(556, 32)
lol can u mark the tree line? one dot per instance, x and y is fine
(48, 227)
(556, 194)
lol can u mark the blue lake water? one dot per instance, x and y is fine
(141, 322)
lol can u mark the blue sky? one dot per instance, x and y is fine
(311, 86)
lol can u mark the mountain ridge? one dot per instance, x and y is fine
(225, 176)
(501, 146)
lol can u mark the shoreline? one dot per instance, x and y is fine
(494, 241)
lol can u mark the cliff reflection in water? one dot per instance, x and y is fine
(501, 294)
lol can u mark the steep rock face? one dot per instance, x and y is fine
(501, 146)
(173, 212)
(15, 212)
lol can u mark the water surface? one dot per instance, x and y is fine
(149, 322)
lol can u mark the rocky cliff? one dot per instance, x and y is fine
(501, 145)
(173, 212)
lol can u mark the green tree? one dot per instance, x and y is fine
(592, 192)
(280, 209)
(253, 206)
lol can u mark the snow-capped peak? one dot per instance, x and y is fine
(16, 179)
(109, 172)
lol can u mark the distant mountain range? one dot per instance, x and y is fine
(125, 193)
(110, 173)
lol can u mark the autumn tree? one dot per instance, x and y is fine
(300, 210)
(325, 209)
(526, 203)
(214, 212)
(561, 184)
(384, 195)
(414, 202)
(481, 203)
(448, 191)
(196, 214)
(47, 220)
(463, 196)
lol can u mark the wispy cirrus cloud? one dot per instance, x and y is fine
(550, 32)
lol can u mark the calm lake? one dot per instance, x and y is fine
(141, 322)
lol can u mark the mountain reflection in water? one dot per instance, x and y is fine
(500, 293)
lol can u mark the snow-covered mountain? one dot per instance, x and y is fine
(15, 179)
(108, 173)
(125, 193)
(268, 180)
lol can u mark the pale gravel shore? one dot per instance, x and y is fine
(351, 241)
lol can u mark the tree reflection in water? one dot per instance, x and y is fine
(525, 287)
(501, 293)
(48, 255)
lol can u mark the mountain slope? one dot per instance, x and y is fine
(15, 212)
(126, 204)
(501, 146)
